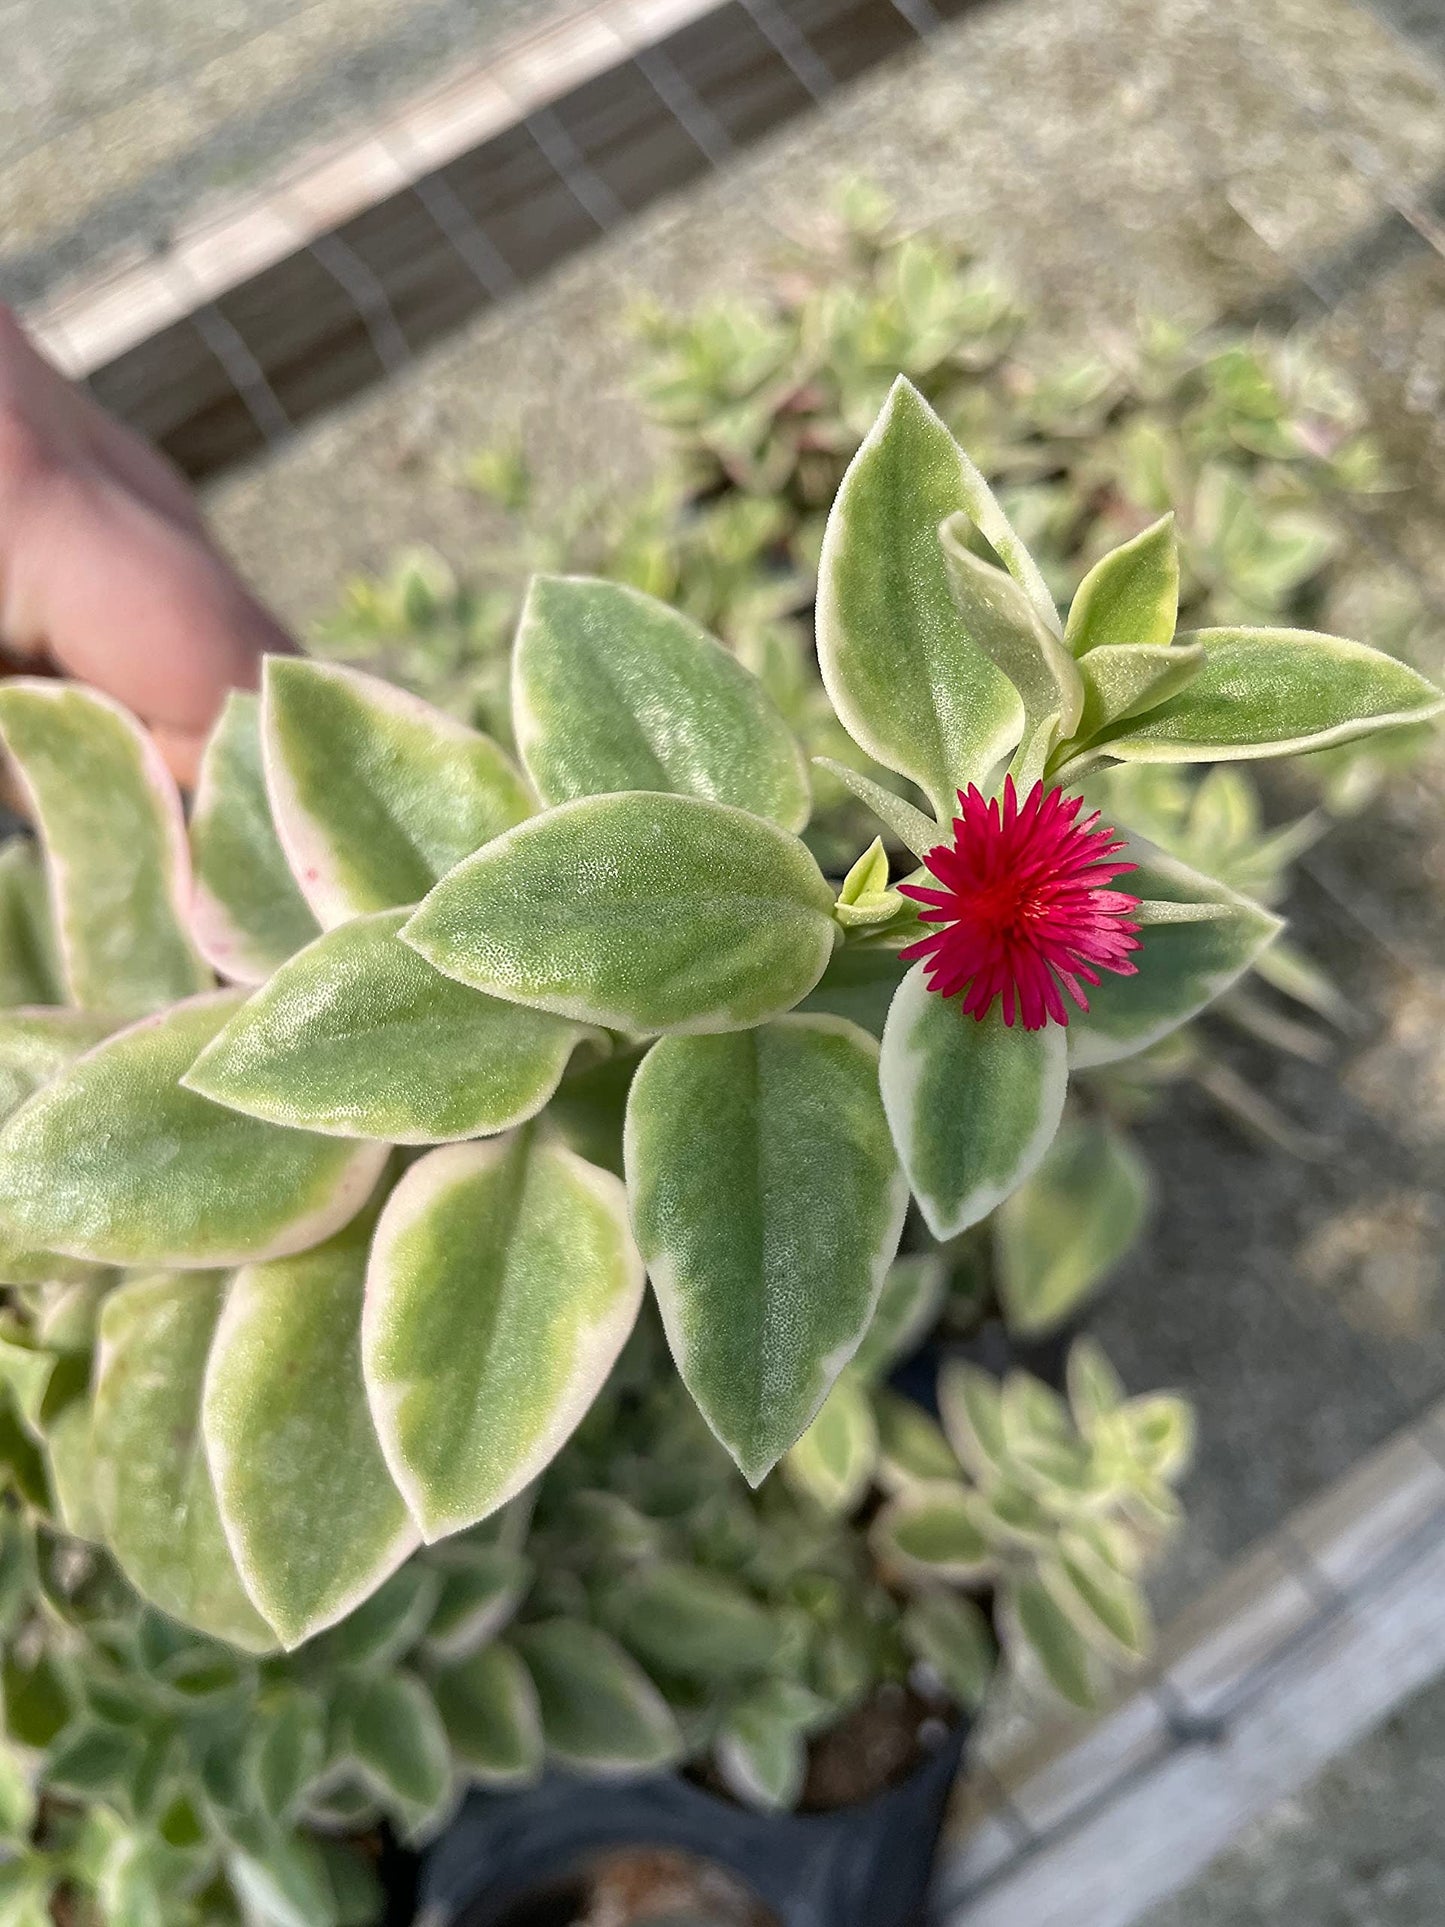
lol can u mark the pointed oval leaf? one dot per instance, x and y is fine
(1127, 679)
(954, 1638)
(637, 912)
(684, 1623)
(1068, 1225)
(1274, 692)
(313, 1519)
(834, 1461)
(115, 845)
(933, 1532)
(70, 1459)
(30, 970)
(1033, 1620)
(1182, 966)
(503, 1283)
(358, 1036)
(908, 1306)
(767, 1234)
(970, 1402)
(480, 1594)
(912, 1450)
(909, 684)
(113, 1160)
(247, 914)
(913, 829)
(601, 1714)
(374, 793)
(155, 1494)
(1108, 1608)
(763, 1758)
(1006, 626)
(1130, 596)
(392, 1732)
(973, 1105)
(38, 1042)
(613, 690)
(489, 1707)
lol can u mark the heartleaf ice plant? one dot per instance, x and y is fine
(498, 1046)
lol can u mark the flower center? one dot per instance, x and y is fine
(1023, 907)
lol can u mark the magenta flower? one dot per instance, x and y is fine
(1025, 907)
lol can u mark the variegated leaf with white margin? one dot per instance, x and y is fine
(156, 1499)
(503, 1283)
(637, 912)
(489, 1707)
(1067, 1226)
(30, 970)
(115, 1161)
(1130, 598)
(388, 1726)
(909, 684)
(1001, 620)
(247, 913)
(115, 846)
(358, 1036)
(1274, 692)
(309, 1508)
(973, 1104)
(1182, 966)
(613, 690)
(38, 1042)
(932, 1532)
(768, 1204)
(834, 1461)
(908, 1308)
(374, 793)
(601, 1714)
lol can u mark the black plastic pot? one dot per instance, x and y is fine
(864, 1866)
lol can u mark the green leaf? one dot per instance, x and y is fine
(954, 1638)
(908, 683)
(600, 1712)
(247, 914)
(479, 1594)
(309, 1508)
(767, 1234)
(1127, 679)
(970, 1402)
(1033, 1620)
(375, 794)
(613, 690)
(1274, 692)
(1108, 1608)
(911, 827)
(385, 1626)
(156, 1498)
(763, 1757)
(114, 1161)
(1182, 966)
(973, 1104)
(1095, 1389)
(359, 1037)
(26, 1372)
(833, 1462)
(288, 1750)
(488, 1705)
(282, 1881)
(1001, 621)
(865, 898)
(684, 1623)
(115, 844)
(1130, 596)
(503, 1283)
(912, 1450)
(1068, 1225)
(391, 1729)
(636, 912)
(908, 1305)
(17, 1804)
(933, 1532)
(70, 1457)
(37, 1044)
(30, 970)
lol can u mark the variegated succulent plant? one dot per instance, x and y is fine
(329, 1263)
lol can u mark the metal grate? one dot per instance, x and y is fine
(234, 369)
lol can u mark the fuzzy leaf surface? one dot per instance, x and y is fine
(114, 1161)
(768, 1232)
(636, 912)
(358, 1036)
(503, 1282)
(1067, 1226)
(600, 1712)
